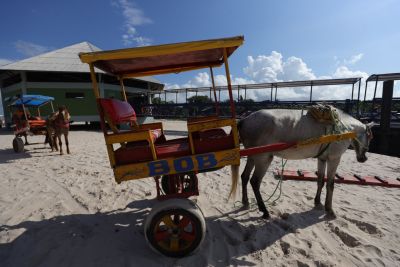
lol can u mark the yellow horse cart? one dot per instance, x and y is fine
(175, 227)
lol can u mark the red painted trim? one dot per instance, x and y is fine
(267, 148)
(341, 179)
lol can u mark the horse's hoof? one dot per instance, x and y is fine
(246, 205)
(265, 215)
(330, 214)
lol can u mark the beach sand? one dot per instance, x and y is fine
(68, 211)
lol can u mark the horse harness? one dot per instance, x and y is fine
(60, 121)
(329, 116)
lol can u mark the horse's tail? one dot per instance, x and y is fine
(239, 124)
(235, 179)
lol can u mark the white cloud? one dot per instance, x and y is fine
(274, 68)
(202, 79)
(30, 49)
(294, 69)
(350, 61)
(264, 68)
(133, 17)
(4, 61)
(354, 59)
(142, 41)
(172, 86)
(345, 72)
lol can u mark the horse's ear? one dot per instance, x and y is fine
(369, 131)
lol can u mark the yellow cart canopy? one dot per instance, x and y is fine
(162, 59)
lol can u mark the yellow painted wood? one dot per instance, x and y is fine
(228, 79)
(327, 139)
(203, 125)
(191, 143)
(141, 170)
(94, 81)
(121, 83)
(148, 51)
(152, 148)
(111, 156)
(215, 92)
(112, 126)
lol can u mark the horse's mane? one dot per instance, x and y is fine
(348, 119)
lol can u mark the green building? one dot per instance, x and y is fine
(62, 75)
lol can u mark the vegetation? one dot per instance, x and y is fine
(199, 99)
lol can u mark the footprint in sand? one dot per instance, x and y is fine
(346, 238)
(365, 227)
(285, 246)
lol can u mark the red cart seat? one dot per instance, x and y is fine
(212, 140)
(37, 123)
(118, 112)
(139, 152)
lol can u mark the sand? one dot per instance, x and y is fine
(68, 211)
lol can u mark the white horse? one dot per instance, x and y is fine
(284, 125)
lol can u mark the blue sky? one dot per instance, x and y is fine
(284, 40)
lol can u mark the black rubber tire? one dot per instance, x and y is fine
(18, 145)
(183, 208)
(165, 184)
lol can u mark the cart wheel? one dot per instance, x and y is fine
(175, 228)
(18, 145)
(170, 183)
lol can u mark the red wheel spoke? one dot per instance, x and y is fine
(184, 222)
(187, 236)
(162, 235)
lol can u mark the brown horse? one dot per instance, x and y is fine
(61, 126)
(51, 136)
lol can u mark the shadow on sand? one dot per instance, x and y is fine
(7, 155)
(116, 239)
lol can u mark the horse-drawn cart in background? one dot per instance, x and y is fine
(175, 227)
(23, 122)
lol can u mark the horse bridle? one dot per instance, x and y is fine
(368, 133)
